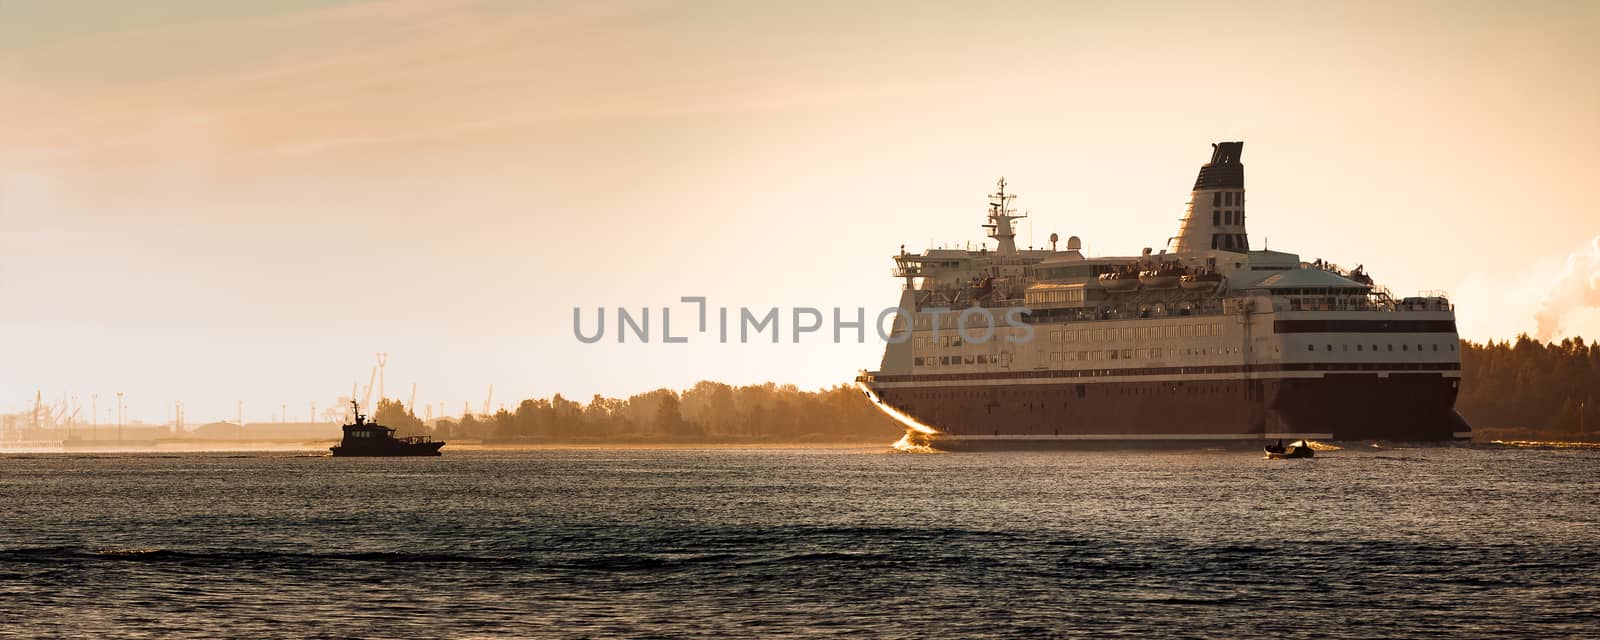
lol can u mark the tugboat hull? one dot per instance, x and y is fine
(401, 450)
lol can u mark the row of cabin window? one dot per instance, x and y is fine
(951, 322)
(1069, 356)
(1063, 273)
(1361, 347)
(1143, 390)
(950, 361)
(1131, 354)
(930, 342)
(1219, 218)
(1136, 333)
(1111, 354)
(1227, 198)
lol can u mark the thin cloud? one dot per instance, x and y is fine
(416, 71)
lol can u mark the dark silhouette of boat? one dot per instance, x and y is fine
(370, 439)
(1296, 449)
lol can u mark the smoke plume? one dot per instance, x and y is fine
(1576, 288)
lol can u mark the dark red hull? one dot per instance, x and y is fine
(1400, 406)
(386, 449)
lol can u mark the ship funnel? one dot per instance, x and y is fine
(1215, 217)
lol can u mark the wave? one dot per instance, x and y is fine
(51, 554)
(1545, 444)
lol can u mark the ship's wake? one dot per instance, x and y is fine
(913, 442)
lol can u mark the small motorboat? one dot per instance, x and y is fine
(1296, 449)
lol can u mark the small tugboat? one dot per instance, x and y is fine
(1296, 449)
(370, 439)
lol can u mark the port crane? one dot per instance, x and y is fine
(366, 396)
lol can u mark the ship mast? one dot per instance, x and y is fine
(1000, 216)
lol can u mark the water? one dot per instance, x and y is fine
(1359, 543)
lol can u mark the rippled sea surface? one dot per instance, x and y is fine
(1358, 543)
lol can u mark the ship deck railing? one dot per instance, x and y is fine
(1211, 307)
(1090, 314)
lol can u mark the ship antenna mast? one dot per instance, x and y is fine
(1000, 216)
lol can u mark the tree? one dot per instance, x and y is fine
(708, 410)
(472, 428)
(394, 414)
(566, 417)
(505, 424)
(529, 421)
(669, 419)
(1528, 384)
(445, 429)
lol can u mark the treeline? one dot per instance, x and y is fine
(708, 412)
(1521, 384)
(1526, 384)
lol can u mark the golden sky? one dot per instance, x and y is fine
(213, 202)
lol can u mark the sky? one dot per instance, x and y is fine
(218, 203)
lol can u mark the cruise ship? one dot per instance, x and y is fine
(1206, 340)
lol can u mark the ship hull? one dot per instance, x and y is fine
(387, 450)
(1411, 406)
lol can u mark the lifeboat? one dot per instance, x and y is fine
(1201, 281)
(1122, 281)
(1162, 278)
